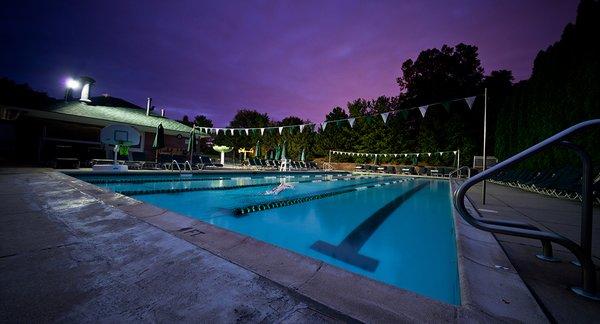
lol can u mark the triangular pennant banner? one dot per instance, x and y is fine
(423, 110)
(323, 125)
(262, 131)
(384, 116)
(351, 121)
(469, 101)
(247, 131)
(302, 128)
(280, 130)
(232, 131)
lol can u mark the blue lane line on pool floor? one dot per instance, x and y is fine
(347, 250)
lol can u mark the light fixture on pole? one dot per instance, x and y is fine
(70, 85)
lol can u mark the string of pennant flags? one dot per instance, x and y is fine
(392, 154)
(351, 121)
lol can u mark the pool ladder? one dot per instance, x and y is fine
(186, 164)
(583, 250)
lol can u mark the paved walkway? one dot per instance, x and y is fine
(550, 282)
(76, 259)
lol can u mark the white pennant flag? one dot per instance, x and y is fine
(247, 132)
(428, 154)
(231, 131)
(280, 130)
(441, 153)
(423, 110)
(395, 155)
(454, 152)
(417, 154)
(302, 128)
(262, 131)
(405, 155)
(323, 125)
(351, 121)
(384, 116)
(469, 101)
(217, 131)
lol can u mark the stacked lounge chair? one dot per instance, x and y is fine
(562, 183)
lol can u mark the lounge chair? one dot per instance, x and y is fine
(423, 171)
(206, 162)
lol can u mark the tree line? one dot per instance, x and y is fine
(564, 89)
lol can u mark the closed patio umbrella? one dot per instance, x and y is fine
(278, 152)
(257, 149)
(159, 139)
(192, 144)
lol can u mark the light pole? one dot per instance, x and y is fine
(484, 139)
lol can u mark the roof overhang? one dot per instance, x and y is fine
(50, 115)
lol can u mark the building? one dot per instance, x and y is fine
(72, 127)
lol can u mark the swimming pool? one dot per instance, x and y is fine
(395, 230)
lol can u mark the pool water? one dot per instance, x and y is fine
(395, 230)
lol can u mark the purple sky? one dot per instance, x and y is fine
(282, 57)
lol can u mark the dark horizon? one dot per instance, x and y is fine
(282, 58)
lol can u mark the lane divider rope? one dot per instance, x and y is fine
(242, 211)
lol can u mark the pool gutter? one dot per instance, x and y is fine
(491, 290)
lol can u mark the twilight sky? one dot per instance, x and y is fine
(282, 57)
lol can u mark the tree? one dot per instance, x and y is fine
(202, 121)
(563, 90)
(21, 95)
(186, 120)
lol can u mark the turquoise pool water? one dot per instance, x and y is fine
(395, 230)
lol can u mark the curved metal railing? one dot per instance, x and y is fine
(459, 170)
(187, 164)
(175, 163)
(583, 250)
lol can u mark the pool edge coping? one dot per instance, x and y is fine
(328, 285)
(479, 252)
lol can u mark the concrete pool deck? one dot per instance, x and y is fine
(71, 251)
(550, 282)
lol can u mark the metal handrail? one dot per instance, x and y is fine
(187, 163)
(458, 170)
(582, 251)
(177, 164)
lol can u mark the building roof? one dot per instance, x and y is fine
(95, 114)
(124, 115)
